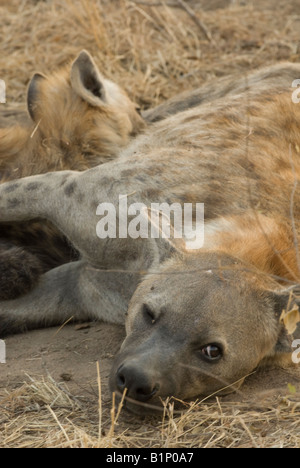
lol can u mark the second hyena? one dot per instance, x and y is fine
(78, 119)
(196, 321)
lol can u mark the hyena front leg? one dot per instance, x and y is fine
(74, 291)
(70, 199)
(32, 197)
(50, 303)
(49, 196)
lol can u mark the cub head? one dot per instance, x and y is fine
(82, 114)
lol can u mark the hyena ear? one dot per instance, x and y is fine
(33, 94)
(286, 308)
(165, 244)
(168, 248)
(86, 80)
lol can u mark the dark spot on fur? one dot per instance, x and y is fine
(33, 186)
(94, 205)
(152, 194)
(70, 189)
(128, 173)
(13, 203)
(80, 197)
(11, 188)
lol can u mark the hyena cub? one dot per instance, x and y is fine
(78, 119)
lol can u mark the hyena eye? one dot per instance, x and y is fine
(212, 352)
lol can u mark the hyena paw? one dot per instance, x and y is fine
(19, 271)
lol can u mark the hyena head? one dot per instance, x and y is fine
(201, 325)
(79, 112)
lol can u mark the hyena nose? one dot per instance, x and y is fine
(139, 385)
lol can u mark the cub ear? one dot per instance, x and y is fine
(33, 94)
(86, 80)
(286, 307)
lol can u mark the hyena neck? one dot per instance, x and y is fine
(18, 144)
(267, 244)
(13, 140)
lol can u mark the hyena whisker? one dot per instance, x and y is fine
(143, 273)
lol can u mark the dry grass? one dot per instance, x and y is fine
(42, 414)
(154, 52)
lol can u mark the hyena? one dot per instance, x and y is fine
(196, 320)
(9, 117)
(78, 119)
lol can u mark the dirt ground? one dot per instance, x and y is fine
(154, 52)
(268, 401)
(70, 354)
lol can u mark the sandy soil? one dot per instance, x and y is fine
(70, 354)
